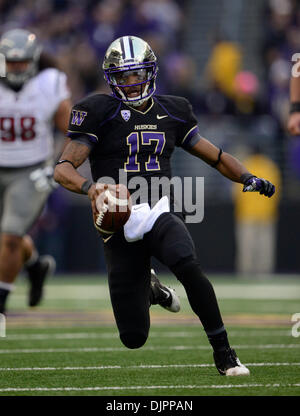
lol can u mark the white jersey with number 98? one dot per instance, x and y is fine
(26, 118)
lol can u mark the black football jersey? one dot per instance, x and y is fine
(127, 142)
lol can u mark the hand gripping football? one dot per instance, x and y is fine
(114, 208)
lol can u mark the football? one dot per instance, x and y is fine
(114, 207)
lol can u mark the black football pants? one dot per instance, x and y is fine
(128, 267)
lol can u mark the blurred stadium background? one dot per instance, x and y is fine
(230, 58)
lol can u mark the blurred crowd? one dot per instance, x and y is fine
(238, 91)
(281, 41)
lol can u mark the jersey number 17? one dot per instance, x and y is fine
(145, 138)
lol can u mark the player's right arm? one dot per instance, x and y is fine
(66, 173)
(82, 135)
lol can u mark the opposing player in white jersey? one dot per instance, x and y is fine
(32, 102)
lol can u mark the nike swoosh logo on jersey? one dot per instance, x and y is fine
(105, 240)
(159, 117)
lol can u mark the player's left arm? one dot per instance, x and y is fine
(230, 167)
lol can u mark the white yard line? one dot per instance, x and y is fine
(110, 335)
(143, 366)
(105, 388)
(223, 291)
(123, 349)
(56, 336)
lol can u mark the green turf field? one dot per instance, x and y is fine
(70, 345)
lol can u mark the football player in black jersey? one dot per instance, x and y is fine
(136, 131)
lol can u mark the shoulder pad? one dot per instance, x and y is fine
(101, 104)
(178, 107)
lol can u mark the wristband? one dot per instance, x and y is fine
(295, 107)
(65, 161)
(86, 186)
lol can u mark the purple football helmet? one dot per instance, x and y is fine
(127, 56)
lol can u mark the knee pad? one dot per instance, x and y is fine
(133, 340)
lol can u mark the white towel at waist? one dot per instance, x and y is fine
(142, 219)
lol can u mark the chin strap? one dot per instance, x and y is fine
(136, 103)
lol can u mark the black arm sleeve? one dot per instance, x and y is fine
(84, 140)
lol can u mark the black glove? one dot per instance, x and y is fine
(261, 185)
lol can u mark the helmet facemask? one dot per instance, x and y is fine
(127, 56)
(145, 87)
(18, 78)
